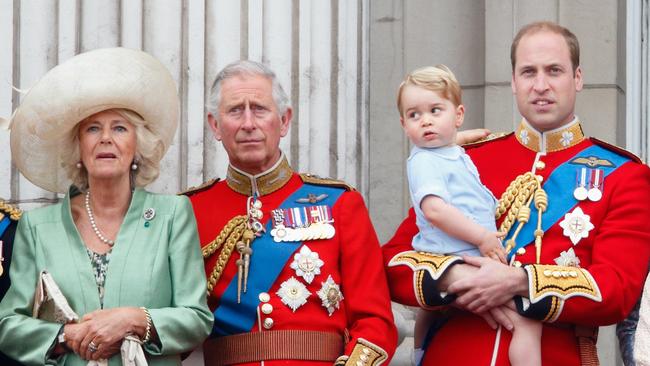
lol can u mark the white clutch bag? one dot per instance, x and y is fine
(49, 302)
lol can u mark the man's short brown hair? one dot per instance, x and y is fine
(569, 37)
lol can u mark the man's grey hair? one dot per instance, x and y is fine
(246, 67)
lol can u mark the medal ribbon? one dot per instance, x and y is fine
(267, 261)
(297, 217)
(560, 198)
(4, 224)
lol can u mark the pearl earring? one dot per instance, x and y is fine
(134, 166)
(78, 165)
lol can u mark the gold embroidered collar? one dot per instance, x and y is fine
(554, 140)
(262, 184)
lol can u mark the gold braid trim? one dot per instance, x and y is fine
(555, 310)
(364, 353)
(561, 281)
(212, 246)
(14, 213)
(230, 234)
(516, 195)
(435, 264)
(516, 201)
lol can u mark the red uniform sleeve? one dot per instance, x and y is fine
(400, 278)
(370, 318)
(620, 253)
(413, 276)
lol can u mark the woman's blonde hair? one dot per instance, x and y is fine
(149, 151)
(438, 78)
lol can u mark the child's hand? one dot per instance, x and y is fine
(491, 247)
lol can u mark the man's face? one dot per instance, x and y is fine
(543, 80)
(248, 123)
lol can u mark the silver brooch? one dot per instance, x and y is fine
(293, 293)
(307, 264)
(568, 258)
(576, 225)
(330, 295)
(149, 214)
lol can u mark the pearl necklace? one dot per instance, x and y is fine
(91, 217)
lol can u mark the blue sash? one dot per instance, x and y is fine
(4, 224)
(267, 261)
(559, 188)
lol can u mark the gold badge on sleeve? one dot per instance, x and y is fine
(561, 281)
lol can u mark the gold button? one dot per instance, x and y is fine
(267, 308)
(521, 251)
(264, 297)
(516, 264)
(540, 165)
(268, 323)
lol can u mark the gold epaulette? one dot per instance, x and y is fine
(7, 209)
(616, 149)
(491, 137)
(205, 185)
(316, 180)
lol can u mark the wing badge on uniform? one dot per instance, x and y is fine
(592, 162)
(312, 198)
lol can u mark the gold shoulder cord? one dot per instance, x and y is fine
(13, 212)
(231, 235)
(516, 201)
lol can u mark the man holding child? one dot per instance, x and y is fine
(574, 212)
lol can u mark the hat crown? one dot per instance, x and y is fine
(86, 84)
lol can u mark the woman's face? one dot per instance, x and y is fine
(107, 144)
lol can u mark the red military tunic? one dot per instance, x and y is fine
(9, 217)
(352, 257)
(598, 285)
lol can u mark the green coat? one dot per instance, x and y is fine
(158, 266)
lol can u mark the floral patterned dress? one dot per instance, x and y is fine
(100, 265)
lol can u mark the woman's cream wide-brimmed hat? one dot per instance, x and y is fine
(86, 84)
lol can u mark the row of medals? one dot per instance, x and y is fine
(592, 178)
(319, 230)
(319, 227)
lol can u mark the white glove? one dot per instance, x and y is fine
(131, 351)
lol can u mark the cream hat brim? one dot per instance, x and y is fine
(86, 84)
